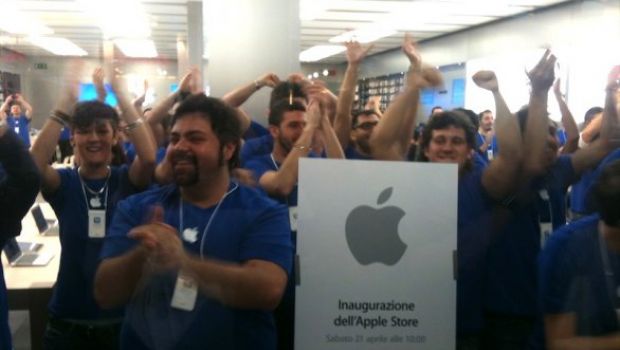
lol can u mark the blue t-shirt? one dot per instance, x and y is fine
(246, 226)
(264, 163)
(351, 153)
(21, 126)
(572, 278)
(72, 297)
(256, 147)
(255, 130)
(473, 233)
(587, 200)
(579, 191)
(511, 285)
(130, 153)
(493, 147)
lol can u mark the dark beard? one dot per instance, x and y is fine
(286, 144)
(185, 178)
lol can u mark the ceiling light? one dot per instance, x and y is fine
(325, 72)
(144, 48)
(319, 52)
(131, 22)
(58, 46)
(14, 21)
(315, 75)
(365, 34)
(311, 9)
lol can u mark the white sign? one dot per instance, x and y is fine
(376, 244)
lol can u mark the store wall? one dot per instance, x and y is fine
(584, 35)
(42, 87)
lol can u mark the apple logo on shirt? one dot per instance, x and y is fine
(190, 234)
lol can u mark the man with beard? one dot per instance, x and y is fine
(354, 130)
(293, 130)
(486, 142)
(203, 261)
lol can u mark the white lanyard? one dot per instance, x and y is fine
(206, 230)
(274, 162)
(95, 202)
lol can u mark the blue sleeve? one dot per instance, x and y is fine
(128, 215)
(258, 168)
(615, 155)
(555, 273)
(269, 238)
(56, 199)
(563, 171)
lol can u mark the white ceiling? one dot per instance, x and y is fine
(321, 21)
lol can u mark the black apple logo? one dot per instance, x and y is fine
(372, 234)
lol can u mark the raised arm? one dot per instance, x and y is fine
(593, 129)
(141, 169)
(239, 95)
(390, 139)
(346, 95)
(44, 146)
(139, 101)
(498, 178)
(609, 139)
(537, 126)
(4, 109)
(572, 132)
(282, 182)
(161, 109)
(26, 107)
(98, 77)
(332, 145)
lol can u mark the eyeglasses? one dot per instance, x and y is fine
(366, 126)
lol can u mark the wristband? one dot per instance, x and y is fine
(62, 115)
(302, 148)
(256, 85)
(58, 120)
(133, 125)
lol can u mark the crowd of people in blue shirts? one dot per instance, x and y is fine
(178, 223)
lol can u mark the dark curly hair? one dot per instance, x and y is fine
(223, 118)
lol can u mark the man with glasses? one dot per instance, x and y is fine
(354, 131)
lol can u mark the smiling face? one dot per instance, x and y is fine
(448, 145)
(195, 152)
(93, 143)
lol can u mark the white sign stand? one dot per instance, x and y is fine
(376, 244)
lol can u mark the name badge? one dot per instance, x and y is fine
(185, 293)
(292, 215)
(546, 228)
(96, 223)
(17, 129)
(490, 153)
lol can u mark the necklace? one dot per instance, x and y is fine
(95, 201)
